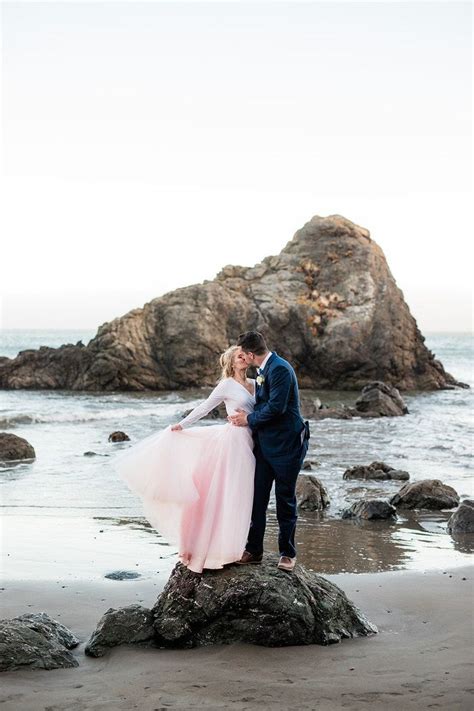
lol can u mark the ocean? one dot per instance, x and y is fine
(67, 515)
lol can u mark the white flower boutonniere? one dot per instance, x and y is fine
(260, 379)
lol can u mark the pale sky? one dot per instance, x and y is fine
(146, 145)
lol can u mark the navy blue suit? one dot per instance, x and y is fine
(281, 442)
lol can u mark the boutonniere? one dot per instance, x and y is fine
(260, 379)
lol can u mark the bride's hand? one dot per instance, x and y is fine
(176, 428)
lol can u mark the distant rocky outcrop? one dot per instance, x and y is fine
(36, 641)
(256, 604)
(376, 470)
(14, 448)
(328, 303)
(426, 494)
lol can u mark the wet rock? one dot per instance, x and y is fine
(309, 465)
(253, 604)
(122, 575)
(311, 494)
(370, 509)
(328, 303)
(376, 470)
(14, 448)
(380, 400)
(36, 641)
(119, 437)
(127, 625)
(257, 604)
(309, 406)
(425, 494)
(462, 520)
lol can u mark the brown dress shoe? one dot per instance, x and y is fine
(248, 558)
(287, 563)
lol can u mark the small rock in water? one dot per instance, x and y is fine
(311, 494)
(118, 437)
(122, 575)
(376, 470)
(426, 494)
(14, 448)
(462, 520)
(370, 509)
(379, 399)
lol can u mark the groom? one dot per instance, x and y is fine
(281, 442)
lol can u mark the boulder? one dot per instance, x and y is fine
(309, 465)
(328, 303)
(14, 448)
(376, 470)
(425, 494)
(462, 520)
(36, 641)
(309, 406)
(380, 400)
(118, 437)
(127, 625)
(257, 604)
(370, 509)
(311, 494)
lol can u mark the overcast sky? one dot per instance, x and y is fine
(146, 145)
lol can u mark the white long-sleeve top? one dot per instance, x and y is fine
(229, 391)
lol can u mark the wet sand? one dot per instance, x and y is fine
(422, 657)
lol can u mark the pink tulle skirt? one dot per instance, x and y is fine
(196, 486)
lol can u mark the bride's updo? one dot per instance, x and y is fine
(226, 360)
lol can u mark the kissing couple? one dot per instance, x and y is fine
(206, 489)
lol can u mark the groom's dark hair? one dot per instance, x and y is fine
(252, 342)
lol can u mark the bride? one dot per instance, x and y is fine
(196, 483)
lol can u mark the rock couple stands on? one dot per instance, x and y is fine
(254, 604)
(328, 303)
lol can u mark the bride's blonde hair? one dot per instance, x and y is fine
(226, 362)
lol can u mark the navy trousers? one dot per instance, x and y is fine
(284, 474)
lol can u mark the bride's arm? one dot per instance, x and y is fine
(215, 398)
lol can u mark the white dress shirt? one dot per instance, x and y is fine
(263, 363)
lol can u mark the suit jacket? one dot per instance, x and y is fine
(276, 421)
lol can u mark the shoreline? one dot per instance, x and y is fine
(422, 656)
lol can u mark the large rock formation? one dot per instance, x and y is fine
(257, 604)
(327, 302)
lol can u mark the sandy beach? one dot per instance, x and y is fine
(422, 657)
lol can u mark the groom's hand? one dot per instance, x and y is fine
(239, 419)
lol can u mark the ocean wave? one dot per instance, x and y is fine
(76, 417)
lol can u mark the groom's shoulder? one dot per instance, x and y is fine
(279, 361)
